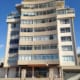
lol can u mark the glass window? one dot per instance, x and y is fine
(12, 59)
(38, 47)
(37, 21)
(13, 25)
(67, 48)
(49, 28)
(66, 38)
(53, 37)
(64, 30)
(41, 72)
(26, 30)
(68, 58)
(29, 47)
(39, 38)
(14, 41)
(26, 47)
(53, 46)
(45, 46)
(28, 72)
(38, 13)
(41, 5)
(65, 21)
(29, 57)
(13, 33)
(13, 50)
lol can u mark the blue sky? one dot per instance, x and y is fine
(6, 6)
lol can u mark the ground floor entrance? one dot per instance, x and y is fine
(33, 72)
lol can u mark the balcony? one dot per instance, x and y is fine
(13, 17)
(65, 11)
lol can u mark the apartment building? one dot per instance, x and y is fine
(41, 42)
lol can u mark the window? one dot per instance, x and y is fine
(13, 33)
(26, 29)
(37, 21)
(13, 50)
(38, 47)
(65, 21)
(53, 46)
(43, 47)
(13, 25)
(65, 30)
(49, 28)
(39, 38)
(29, 47)
(68, 58)
(67, 48)
(29, 72)
(41, 5)
(65, 11)
(12, 59)
(29, 57)
(39, 29)
(66, 38)
(38, 13)
(54, 37)
(14, 41)
(41, 72)
(28, 14)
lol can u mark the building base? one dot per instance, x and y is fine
(40, 73)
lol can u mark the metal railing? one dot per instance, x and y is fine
(65, 11)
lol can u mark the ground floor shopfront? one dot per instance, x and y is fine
(40, 73)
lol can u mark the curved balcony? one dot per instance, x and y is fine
(37, 4)
(38, 17)
(39, 9)
(38, 25)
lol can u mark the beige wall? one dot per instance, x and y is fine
(7, 46)
(65, 53)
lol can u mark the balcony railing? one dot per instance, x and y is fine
(65, 11)
(13, 15)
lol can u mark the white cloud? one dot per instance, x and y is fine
(1, 46)
(78, 50)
